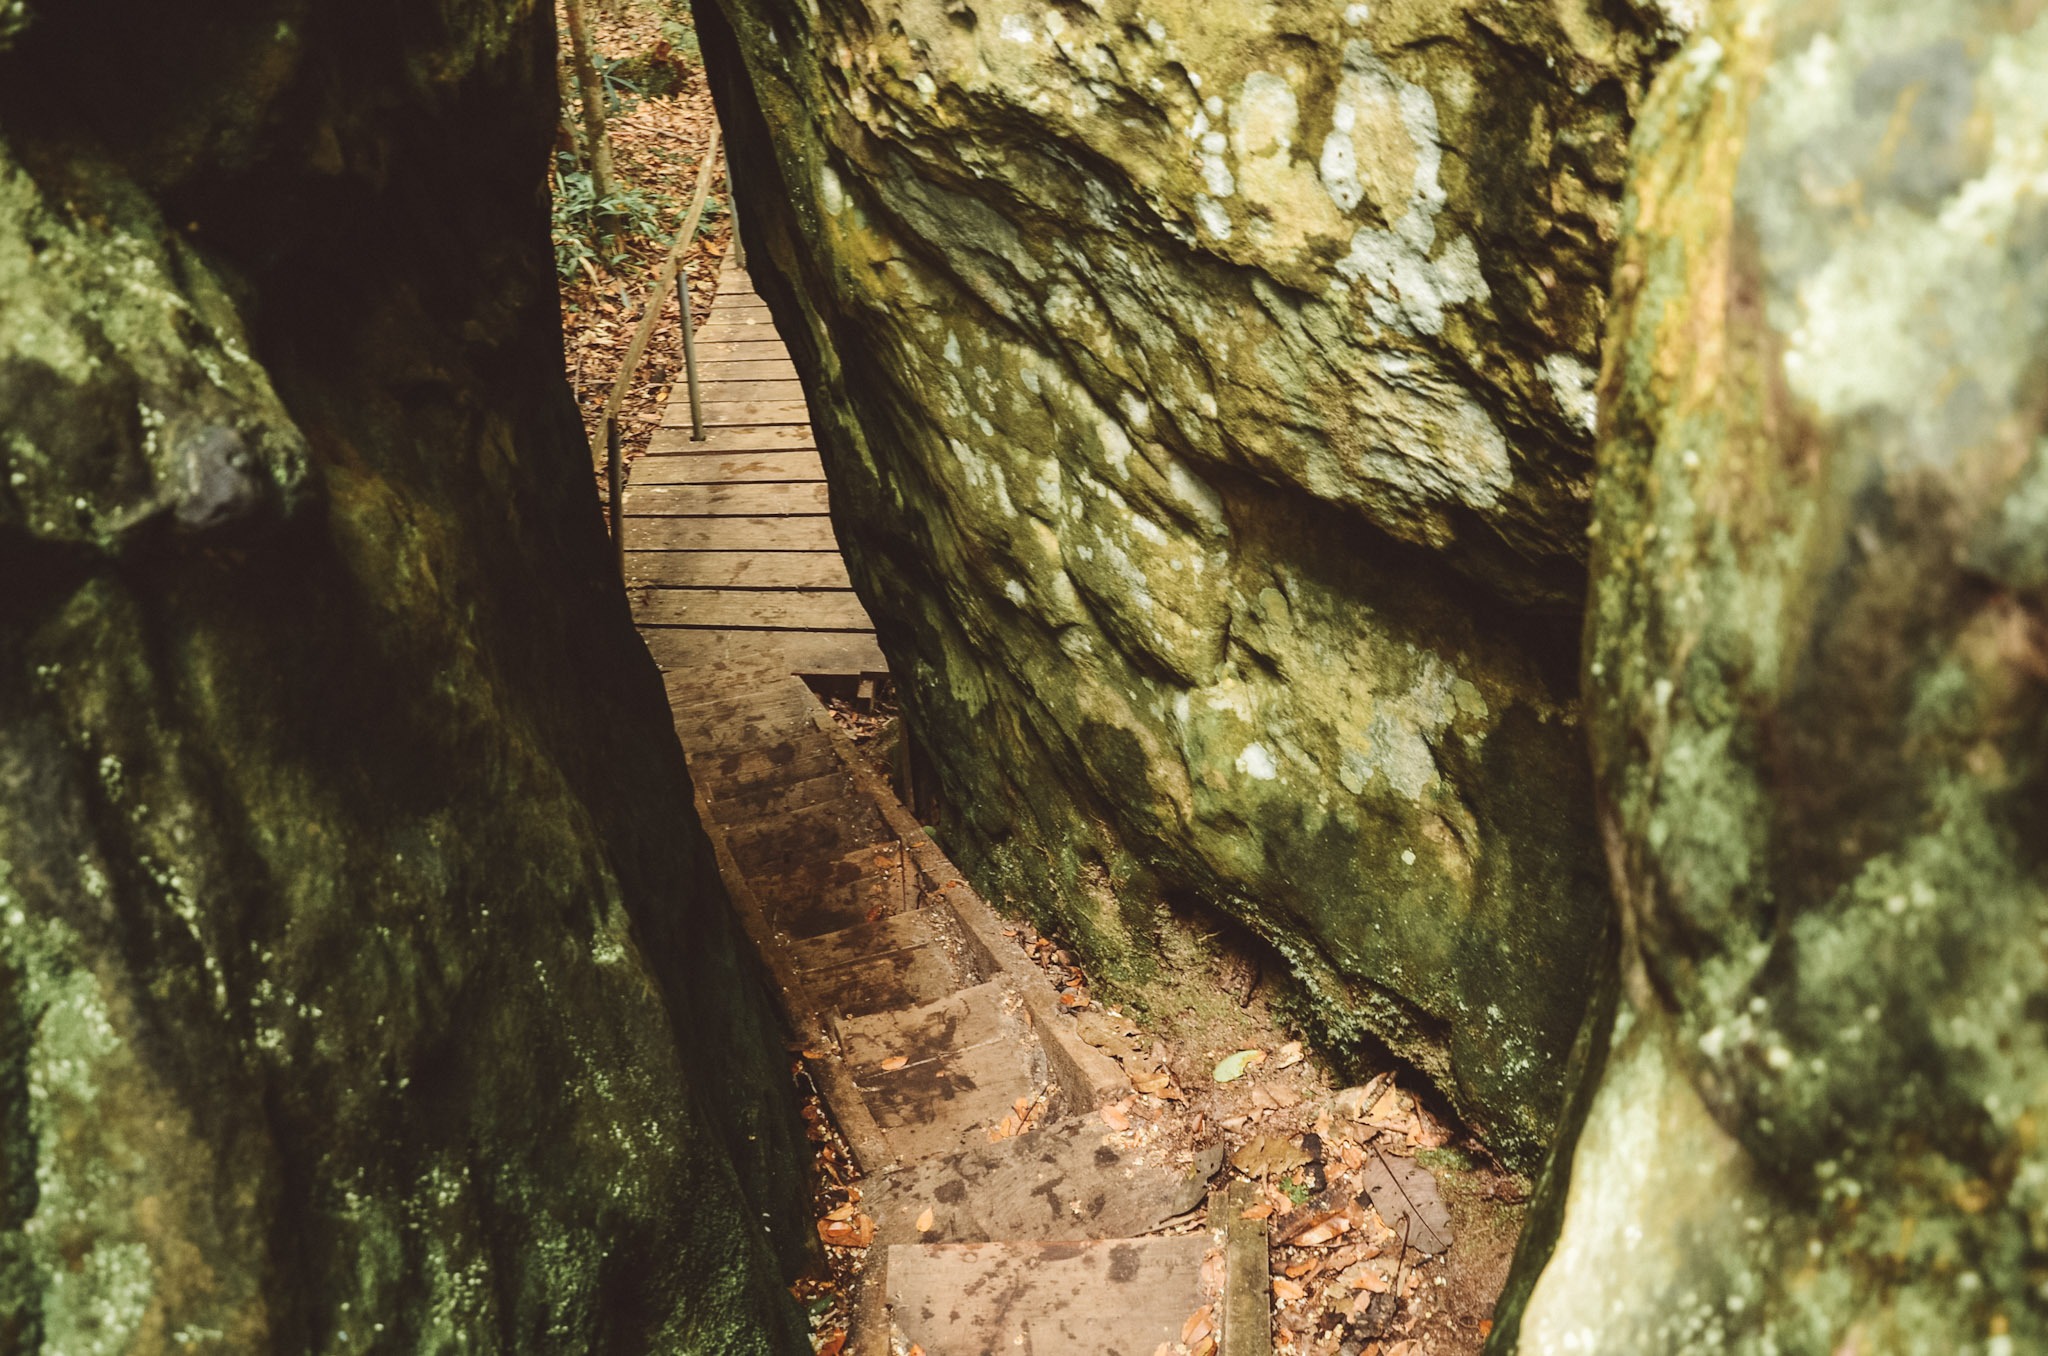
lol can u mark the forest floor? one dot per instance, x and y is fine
(660, 124)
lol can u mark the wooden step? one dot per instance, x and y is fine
(738, 569)
(897, 962)
(836, 827)
(807, 498)
(953, 1103)
(757, 609)
(731, 534)
(864, 887)
(848, 654)
(726, 469)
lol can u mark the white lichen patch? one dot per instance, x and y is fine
(1571, 383)
(1255, 762)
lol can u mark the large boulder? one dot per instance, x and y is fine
(1817, 677)
(1207, 398)
(364, 984)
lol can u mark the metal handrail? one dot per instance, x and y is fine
(615, 473)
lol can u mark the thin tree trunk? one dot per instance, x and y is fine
(567, 87)
(597, 146)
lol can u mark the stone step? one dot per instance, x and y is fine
(1108, 1297)
(1071, 1180)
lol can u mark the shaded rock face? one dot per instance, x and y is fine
(363, 983)
(1817, 677)
(1208, 395)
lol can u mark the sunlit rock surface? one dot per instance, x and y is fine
(362, 983)
(1817, 681)
(1208, 399)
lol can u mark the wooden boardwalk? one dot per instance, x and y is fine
(730, 554)
(1000, 1209)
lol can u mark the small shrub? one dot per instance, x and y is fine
(594, 231)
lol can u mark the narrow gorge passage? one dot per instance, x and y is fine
(995, 1210)
(1016, 1188)
(1467, 578)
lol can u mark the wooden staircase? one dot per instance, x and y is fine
(1009, 1216)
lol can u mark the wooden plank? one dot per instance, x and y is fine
(739, 311)
(751, 346)
(845, 654)
(1247, 1308)
(727, 469)
(732, 534)
(739, 331)
(739, 413)
(737, 569)
(752, 609)
(761, 320)
(736, 811)
(727, 501)
(671, 442)
(745, 369)
(726, 390)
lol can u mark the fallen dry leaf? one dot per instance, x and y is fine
(1262, 1210)
(1215, 1272)
(1114, 1118)
(894, 1062)
(1288, 1290)
(1355, 1102)
(1197, 1327)
(1268, 1156)
(857, 1232)
(1403, 1190)
(926, 1221)
(832, 1345)
(1287, 1056)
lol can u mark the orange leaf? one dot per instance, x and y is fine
(894, 1062)
(1115, 1119)
(1288, 1290)
(925, 1222)
(1263, 1210)
(833, 1345)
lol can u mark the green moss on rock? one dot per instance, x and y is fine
(1207, 399)
(1818, 699)
(362, 983)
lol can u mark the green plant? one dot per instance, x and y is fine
(589, 231)
(623, 80)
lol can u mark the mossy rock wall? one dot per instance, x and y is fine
(1207, 396)
(1817, 684)
(364, 983)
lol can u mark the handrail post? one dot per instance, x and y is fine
(690, 360)
(615, 477)
(732, 211)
